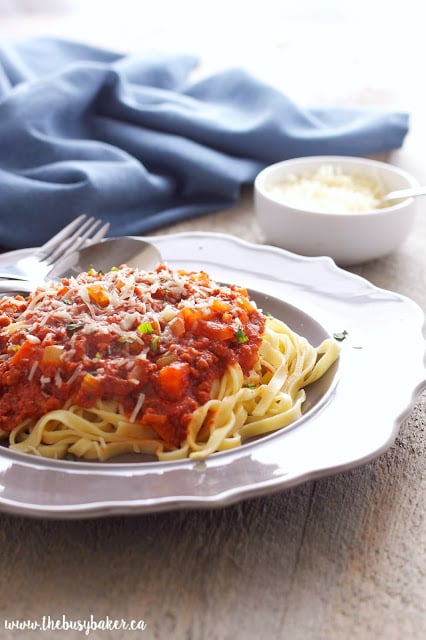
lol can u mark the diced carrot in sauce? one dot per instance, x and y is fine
(190, 315)
(200, 276)
(98, 295)
(243, 316)
(173, 380)
(52, 354)
(244, 302)
(26, 351)
(154, 419)
(220, 305)
(213, 330)
(89, 390)
(171, 434)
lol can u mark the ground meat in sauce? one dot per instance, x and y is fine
(162, 335)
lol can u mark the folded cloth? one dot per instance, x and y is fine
(133, 140)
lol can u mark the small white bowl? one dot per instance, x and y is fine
(348, 238)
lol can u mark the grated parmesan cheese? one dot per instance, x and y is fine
(329, 190)
(152, 342)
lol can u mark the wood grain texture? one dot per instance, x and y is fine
(337, 558)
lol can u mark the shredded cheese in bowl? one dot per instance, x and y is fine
(329, 190)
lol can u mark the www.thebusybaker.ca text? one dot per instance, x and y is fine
(63, 623)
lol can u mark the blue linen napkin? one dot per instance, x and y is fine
(132, 140)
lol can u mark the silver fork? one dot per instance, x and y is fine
(69, 239)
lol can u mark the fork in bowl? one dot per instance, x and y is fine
(70, 238)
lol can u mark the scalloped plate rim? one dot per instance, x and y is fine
(231, 494)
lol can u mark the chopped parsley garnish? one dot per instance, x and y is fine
(240, 336)
(340, 336)
(145, 327)
(155, 343)
(73, 326)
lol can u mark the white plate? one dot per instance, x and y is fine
(353, 419)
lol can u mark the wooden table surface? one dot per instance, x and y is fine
(336, 558)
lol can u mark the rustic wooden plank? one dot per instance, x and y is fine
(362, 564)
(324, 560)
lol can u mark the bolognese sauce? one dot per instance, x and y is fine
(156, 341)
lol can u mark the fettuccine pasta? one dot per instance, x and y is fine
(167, 363)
